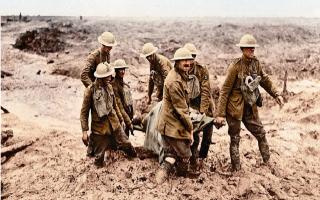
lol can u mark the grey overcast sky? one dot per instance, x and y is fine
(164, 8)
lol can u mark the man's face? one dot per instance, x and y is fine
(248, 52)
(121, 72)
(106, 80)
(185, 65)
(151, 57)
(106, 49)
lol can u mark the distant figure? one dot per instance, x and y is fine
(123, 94)
(106, 130)
(102, 54)
(240, 96)
(159, 69)
(80, 17)
(20, 17)
(202, 101)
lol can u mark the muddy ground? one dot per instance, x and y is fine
(44, 96)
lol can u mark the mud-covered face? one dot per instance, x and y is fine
(151, 57)
(184, 65)
(248, 52)
(120, 72)
(106, 49)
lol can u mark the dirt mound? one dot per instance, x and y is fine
(41, 41)
(313, 118)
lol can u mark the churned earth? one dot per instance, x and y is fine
(44, 96)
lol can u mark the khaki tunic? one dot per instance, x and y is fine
(96, 57)
(174, 120)
(104, 125)
(125, 110)
(231, 100)
(162, 66)
(204, 102)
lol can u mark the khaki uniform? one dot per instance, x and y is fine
(174, 119)
(106, 131)
(204, 104)
(232, 106)
(159, 70)
(174, 123)
(125, 107)
(91, 64)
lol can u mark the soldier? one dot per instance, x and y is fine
(239, 98)
(106, 131)
(200, 100)
(99, 55)
(123, 94)
(174, 123)
(159, 69)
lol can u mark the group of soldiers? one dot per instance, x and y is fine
(180, 86)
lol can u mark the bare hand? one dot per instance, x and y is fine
(149, 100)
(280, 101)
(85, 138)
(131, 129)
(123, 125)
(191, 139)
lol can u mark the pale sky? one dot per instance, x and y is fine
(163, 8)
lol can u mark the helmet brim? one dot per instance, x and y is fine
(103, 75)
(101, 41)
(247, 45)
(121, 67)
(183, 58)
(152, 52)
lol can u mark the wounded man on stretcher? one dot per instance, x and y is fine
(153, 139)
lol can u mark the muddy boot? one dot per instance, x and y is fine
(264, 149)
(194, 164)
(163, 172)
(184, 170)
(182, 167)
(90, 149)
(129, 150)
(200, 163)
(99, 160)
(234, 154)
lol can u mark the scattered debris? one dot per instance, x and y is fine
(50, 61)
(6, 135)
(12, 149)
(41, 41)
(4, 74)
(288, 60)
(4, 110)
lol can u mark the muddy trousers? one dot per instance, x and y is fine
(179, 149)
(255, 127)
(98, 144)
(205, 144)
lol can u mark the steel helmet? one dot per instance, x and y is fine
(107, 39)
(103, 70)
(182, 54)
(148, 49)
(247, 41)
(120, 64)
(191, 48)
